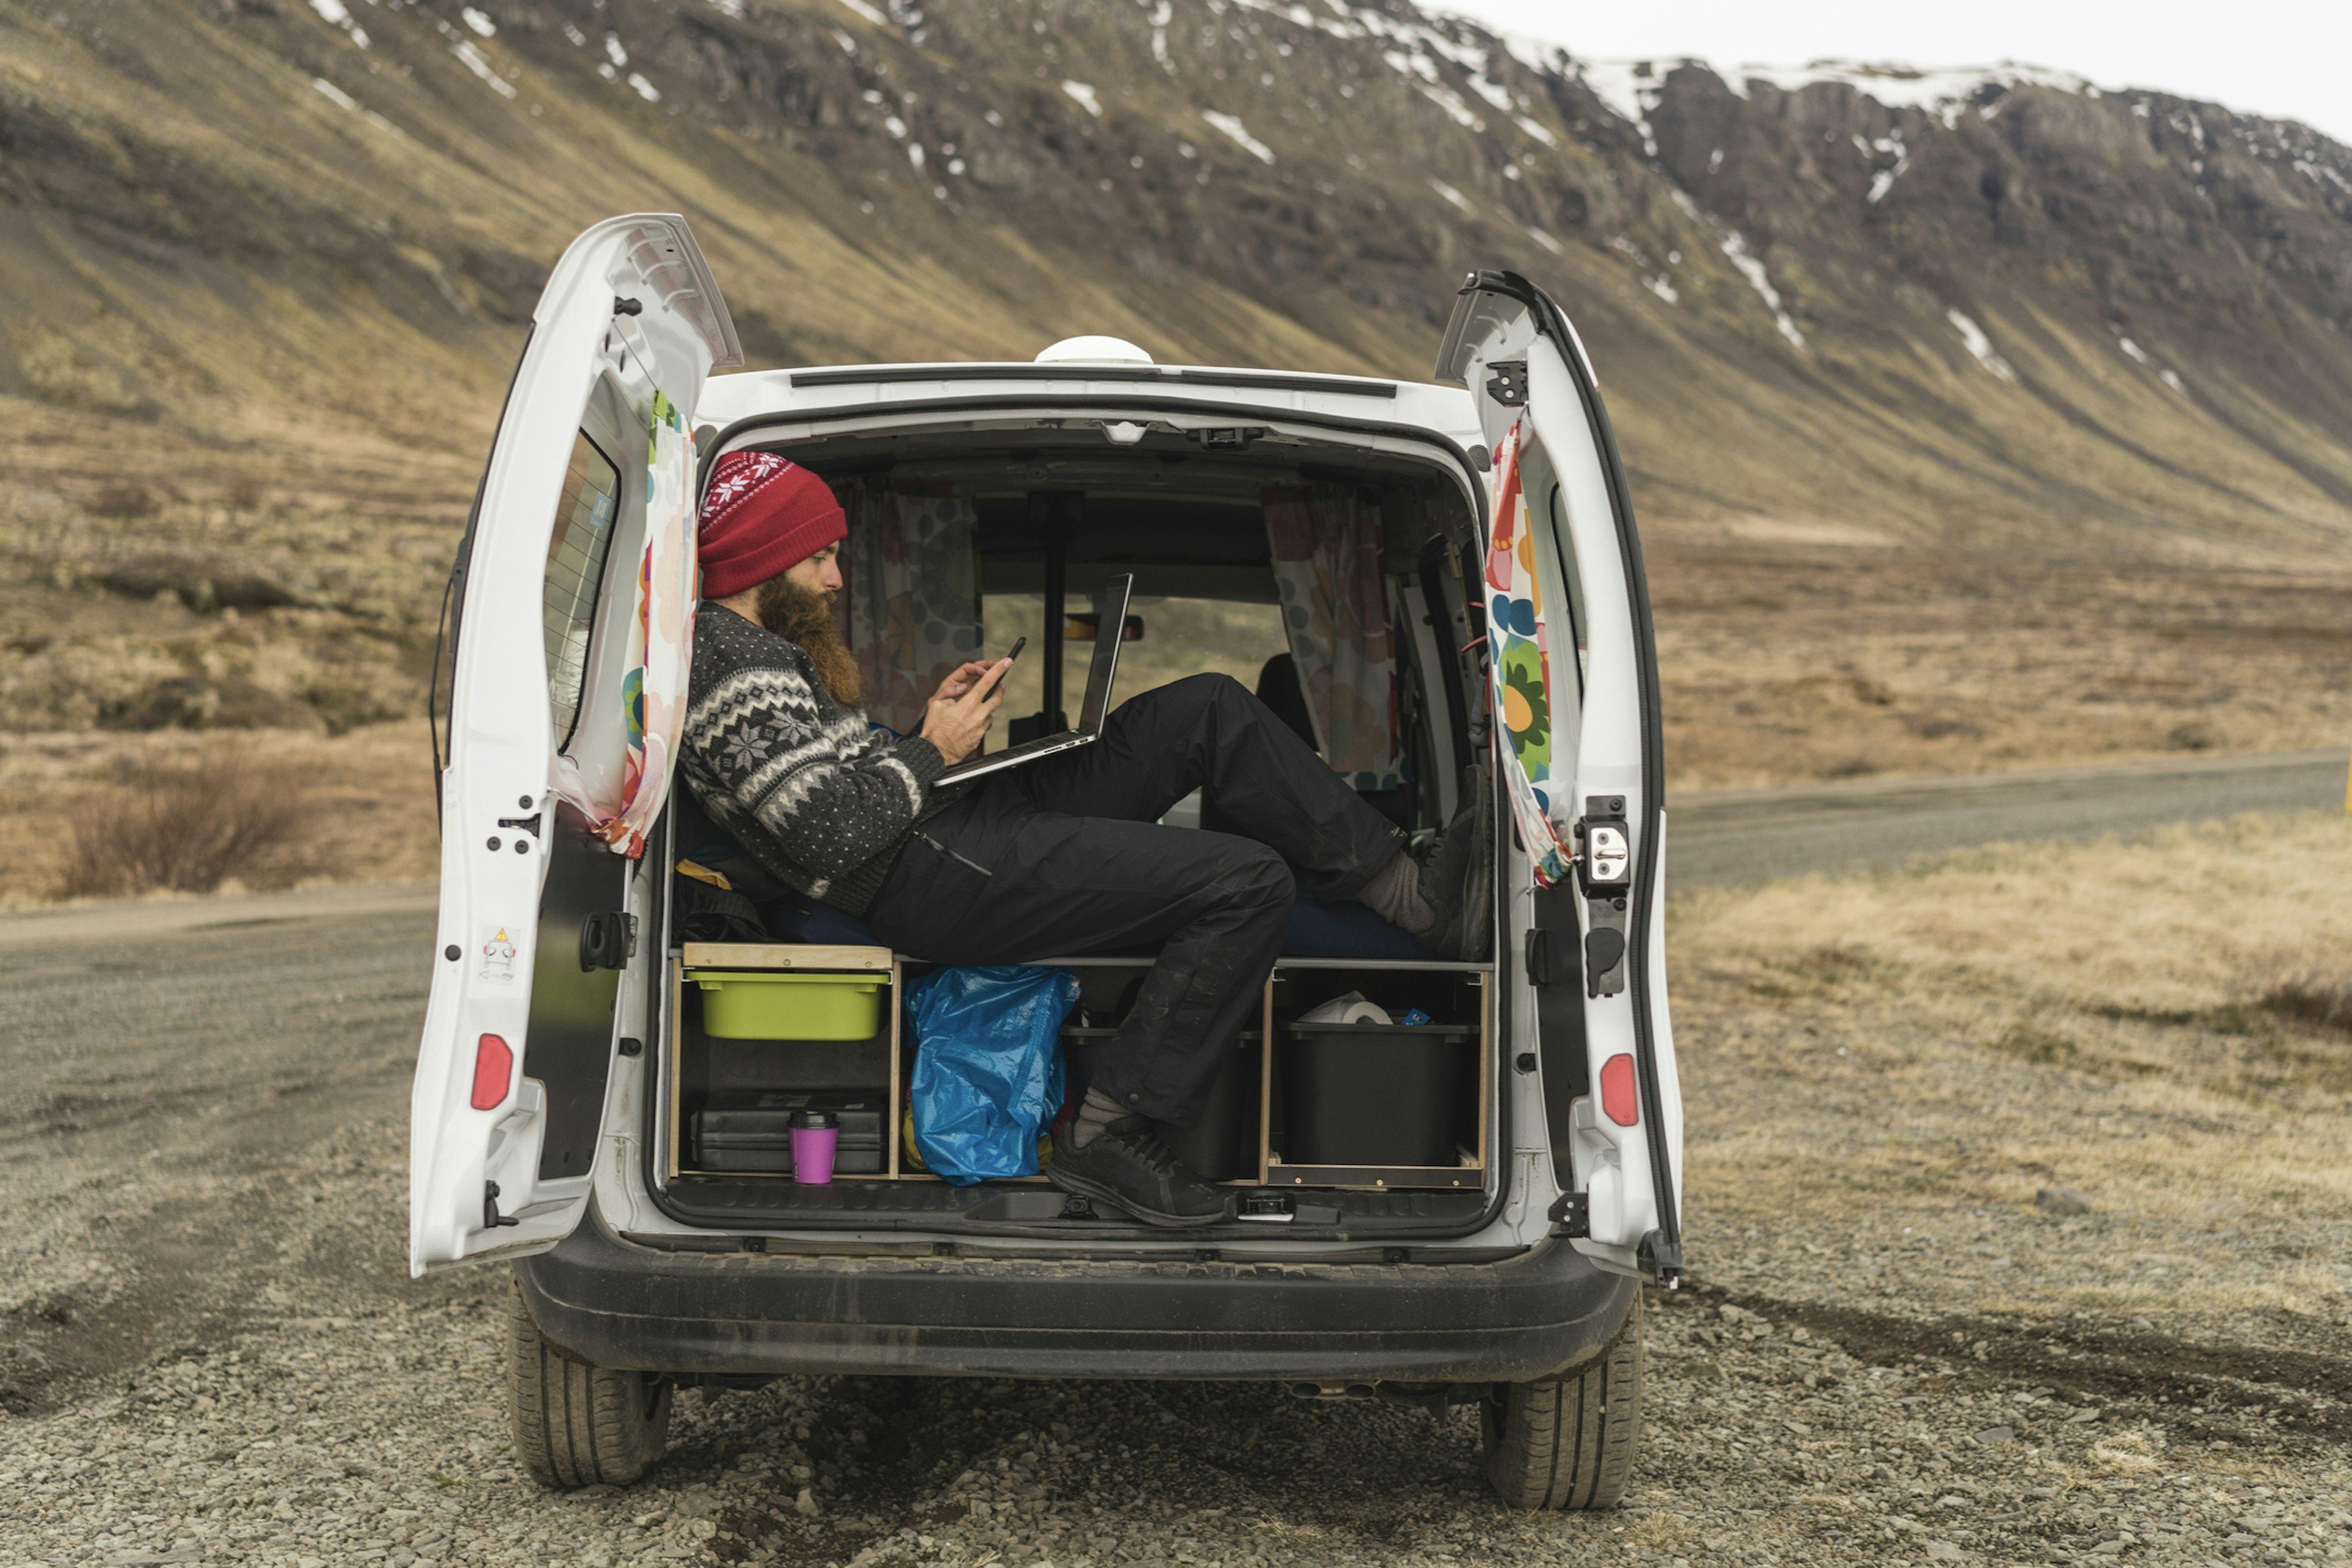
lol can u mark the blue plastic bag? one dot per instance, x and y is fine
(988, 1066)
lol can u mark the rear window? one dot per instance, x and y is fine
(1180, 637)
(575, 574)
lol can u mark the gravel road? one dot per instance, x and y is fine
(1739, 836)
(210, 1351)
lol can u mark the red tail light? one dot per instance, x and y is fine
(1617, 1100)
(493, 1066)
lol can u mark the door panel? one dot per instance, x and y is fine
(572, 993)
(1621, 1105)
(519, 1036)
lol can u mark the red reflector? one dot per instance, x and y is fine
(493, 1064)
(1616, 1090)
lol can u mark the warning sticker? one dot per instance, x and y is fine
(496, 954)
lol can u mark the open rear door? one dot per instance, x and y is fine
(1613, 1100)
(538, 912)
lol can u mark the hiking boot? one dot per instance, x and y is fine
(1129, 1168)
(1457, 881)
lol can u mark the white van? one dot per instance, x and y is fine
(564, 1065)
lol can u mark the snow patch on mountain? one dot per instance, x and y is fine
(1979, 345)
(1231, 126)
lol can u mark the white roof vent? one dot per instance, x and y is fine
(1093, 350)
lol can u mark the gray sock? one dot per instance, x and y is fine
(1096, 1111)
(1394, 895)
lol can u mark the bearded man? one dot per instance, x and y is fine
(1064, 855)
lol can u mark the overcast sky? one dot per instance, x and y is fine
(2288, 59)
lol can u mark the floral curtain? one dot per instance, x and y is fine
(1326, 543)
(910, 594)
(661, 646)
(1519, 664)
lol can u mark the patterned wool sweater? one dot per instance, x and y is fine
(805, 786)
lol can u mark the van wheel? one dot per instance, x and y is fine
(576, 1425)
(1569, 1443)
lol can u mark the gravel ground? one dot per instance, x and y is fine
(360, 1418)
(210, 1350)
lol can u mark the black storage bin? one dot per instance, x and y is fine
(1223, 1145)
(1376, 1094)
(751, 1131)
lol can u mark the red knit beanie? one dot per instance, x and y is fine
(762, 516)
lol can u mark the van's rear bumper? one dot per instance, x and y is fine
(617, 1304)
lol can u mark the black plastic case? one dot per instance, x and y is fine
(750, 1131)
(1376, 1094)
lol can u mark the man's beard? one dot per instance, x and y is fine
(803, 615)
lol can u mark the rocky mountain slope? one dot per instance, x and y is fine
(1846, 299)
(267, 263)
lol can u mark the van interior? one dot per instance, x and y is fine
(1247, 546)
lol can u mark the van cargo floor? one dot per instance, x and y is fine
(1032, 1208)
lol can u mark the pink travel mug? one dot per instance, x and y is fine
(815, 1136)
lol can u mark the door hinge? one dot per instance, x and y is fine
(1508, 386)
(607, 941)
(1661, 1259)
(1572, 1212)
(491, 1218)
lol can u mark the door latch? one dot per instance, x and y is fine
(523, 824)
(1226, 438)
(1604, 868)
(1572, 1211)
(1660, 1259)
(607, 941)
(491, 1218)
(1508, 386)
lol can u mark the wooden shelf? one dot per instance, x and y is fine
(1270, 1172)
(1422, 965)
(1376, 1177)
(784, 955)
(767, 955)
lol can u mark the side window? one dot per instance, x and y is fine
(575, 573)
(1575, 596)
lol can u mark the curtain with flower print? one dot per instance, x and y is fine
(1519, 663)
(1326, 543)
(661, 648)
(911, 591)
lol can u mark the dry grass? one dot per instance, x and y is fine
(186, 827)
(1884, 1059)
(1806, 661)
(2318, 1001)
(123, 500)
(369, 794)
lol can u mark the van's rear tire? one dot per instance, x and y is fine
(1569, 1443)
(576, 1425)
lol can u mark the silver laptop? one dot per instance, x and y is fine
(1109, 631)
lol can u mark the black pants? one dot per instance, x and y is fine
(1067, 856)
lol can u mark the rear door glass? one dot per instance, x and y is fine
(576, 552)
(1563, 564)
(1180, 637)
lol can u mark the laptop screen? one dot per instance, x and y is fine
(1109, 631)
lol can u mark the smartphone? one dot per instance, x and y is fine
(997, 673)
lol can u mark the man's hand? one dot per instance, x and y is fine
(956, 720)
(960, 679)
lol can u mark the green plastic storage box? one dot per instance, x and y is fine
(786, 1005)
